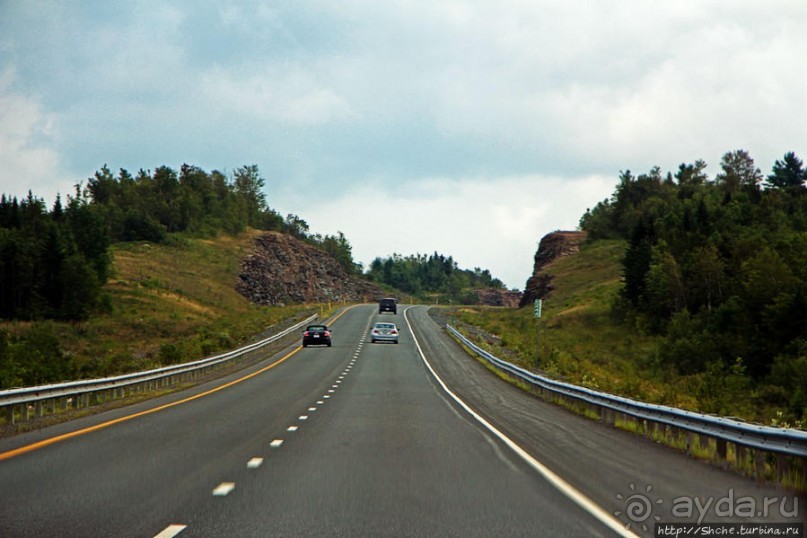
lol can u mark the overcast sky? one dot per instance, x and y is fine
(470, 128)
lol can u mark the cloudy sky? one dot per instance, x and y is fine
(470, 128)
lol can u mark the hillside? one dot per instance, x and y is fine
(165, 303)
(281, 269)
(582, 341)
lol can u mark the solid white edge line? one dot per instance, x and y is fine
(170, 531)
(560, 484)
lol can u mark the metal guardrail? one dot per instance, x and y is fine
(17, 404)
(782, 441)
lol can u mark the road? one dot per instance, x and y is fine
(358, 439)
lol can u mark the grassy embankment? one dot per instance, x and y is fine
(581, 342)
(168, 304)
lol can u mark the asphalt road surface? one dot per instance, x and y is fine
(360, 439)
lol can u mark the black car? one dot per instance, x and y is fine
(317, 335)
(388, 305)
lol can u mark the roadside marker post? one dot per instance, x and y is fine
(537, 313)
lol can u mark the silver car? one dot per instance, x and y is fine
(384, 332)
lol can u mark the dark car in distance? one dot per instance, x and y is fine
(317, 335)
(387, 305)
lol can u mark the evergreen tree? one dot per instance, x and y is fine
(788, 174)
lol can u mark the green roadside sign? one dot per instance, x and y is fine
(537, 309)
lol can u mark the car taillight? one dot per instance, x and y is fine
(305, 333)
(327, 333)
(393, 332)
(375, 331)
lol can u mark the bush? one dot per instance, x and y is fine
(34, 358)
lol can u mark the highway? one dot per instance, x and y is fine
(360, 439)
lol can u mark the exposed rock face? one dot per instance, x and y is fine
(284, 270)
(492, 297)
(553, 246)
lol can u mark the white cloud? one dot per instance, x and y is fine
(522, 112)
(26, 152)
(282, 93)
(490, 223)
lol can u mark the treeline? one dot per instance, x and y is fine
(419, 274)
(718, 268)
(150, 206)
(337, 246)
(54, 262)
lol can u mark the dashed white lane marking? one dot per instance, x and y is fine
(326, 396)
(224, 489)
(276, 443)
(312, 409)
(303, 417)
(254, 463)
(170, 531)
(291, 429)
(320, 402)
(331, 391)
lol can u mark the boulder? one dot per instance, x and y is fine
(282, 270)
(552, 246)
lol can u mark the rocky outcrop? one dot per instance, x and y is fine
(553, 246)
(284, 270)
(493, 297)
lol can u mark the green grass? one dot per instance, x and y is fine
(580, 341)
(169, 303)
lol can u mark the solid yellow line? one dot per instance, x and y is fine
(59, 438)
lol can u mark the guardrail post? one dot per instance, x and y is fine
(722, 448)
(690, 442)
(10, 414)
(703, 442)
(782, 466)
(740, 456)
(759, 462)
